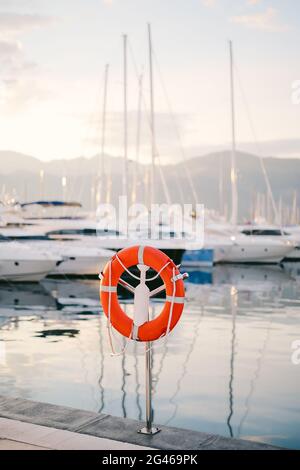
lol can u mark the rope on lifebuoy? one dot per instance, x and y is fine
(108, 325)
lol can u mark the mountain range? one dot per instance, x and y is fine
(20, 175)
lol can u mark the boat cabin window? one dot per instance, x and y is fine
(106, 232)
(71, 231)
(87, 232)
(264, 232)
(23, 237)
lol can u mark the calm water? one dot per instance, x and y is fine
(225, 369)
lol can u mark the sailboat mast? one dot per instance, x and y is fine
(125, 175)
(221, 185)
(102, 176)
(138, 136)
(152, 121)
(293, 220)
(234, 195)
(98, 192)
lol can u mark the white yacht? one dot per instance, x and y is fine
(19, 262)
(73, 239)
(276, 233)
(84, 247)
(78, 237)
(248, 248)
(81, 235)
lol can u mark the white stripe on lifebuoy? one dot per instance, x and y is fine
(175, 300)
(135, 330)
(141, 255)
(108, 288)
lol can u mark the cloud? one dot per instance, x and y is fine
(12, 24)
(254, 2)
(208, 3)
(266, 21)
(12, 4)
(11, 59)
(19, 94)
(19, 85)
(12, 54)
(9, 48)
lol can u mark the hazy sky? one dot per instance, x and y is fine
(53, 54)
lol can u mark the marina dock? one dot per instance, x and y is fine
(26, 424)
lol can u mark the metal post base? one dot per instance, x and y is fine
(152, 430)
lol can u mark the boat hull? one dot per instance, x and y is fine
(80, 266)
(252, 253)
(294, 255)
(25, 270)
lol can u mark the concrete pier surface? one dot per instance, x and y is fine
(26, 424)
(17, 435)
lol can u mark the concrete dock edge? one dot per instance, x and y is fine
(118, 429)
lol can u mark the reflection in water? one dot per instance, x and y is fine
(233, 303)
(137, 382)
(101, 373)
(24, 296)
(71, 333)
(156, 375)
(184, 369)
(198, 382)
(256, 375)
(123, 386)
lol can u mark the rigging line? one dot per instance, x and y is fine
(157, 154)
(256, 141)
(79, 188)
(180, 192)
(86, 137)
(89, 137)
(176, 129)
(163, 181)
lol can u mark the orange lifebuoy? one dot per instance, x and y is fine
(174, 286)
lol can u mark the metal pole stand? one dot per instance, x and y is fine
(148, 429)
